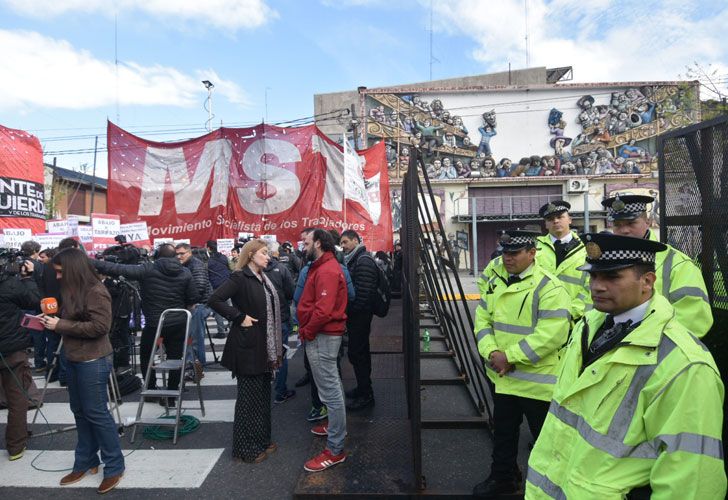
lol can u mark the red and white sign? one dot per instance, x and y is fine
(85, 235)
(262, 180)
(105, 227)
(48, 240)
(21, 181)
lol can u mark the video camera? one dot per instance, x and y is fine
(11, 261)
(122, 254)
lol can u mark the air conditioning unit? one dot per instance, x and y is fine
(578, 186)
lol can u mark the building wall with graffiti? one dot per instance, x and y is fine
(598, 129)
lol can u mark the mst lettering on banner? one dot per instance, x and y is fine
(21, 198)
(264, 179)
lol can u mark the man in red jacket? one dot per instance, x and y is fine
(322, 321)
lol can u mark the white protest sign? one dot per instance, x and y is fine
(105, 228)
(245, 236)
(86, 236)
(58, 226)
(14, 237)
(269, 238)
(184, 240)
(225, 246)
(135, 232)
(72, 229)
(48, 240)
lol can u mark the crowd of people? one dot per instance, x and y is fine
(595, 339)
(259, 297)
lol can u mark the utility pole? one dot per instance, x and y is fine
(93, 177)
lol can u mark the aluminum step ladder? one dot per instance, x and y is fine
(164, 365)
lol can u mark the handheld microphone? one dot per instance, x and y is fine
(49, 306)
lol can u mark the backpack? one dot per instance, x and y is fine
(383, 295)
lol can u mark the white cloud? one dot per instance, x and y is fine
(49, 73)
(226, 14)
(604, 40)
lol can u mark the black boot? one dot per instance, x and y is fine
(494, 487)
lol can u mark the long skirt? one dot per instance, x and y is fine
(252, 424)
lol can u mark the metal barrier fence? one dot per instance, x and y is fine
(431, 284)
(693, 165)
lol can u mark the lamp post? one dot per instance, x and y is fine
(208, 104)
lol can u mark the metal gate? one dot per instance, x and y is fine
(433, 297)
(693, 167)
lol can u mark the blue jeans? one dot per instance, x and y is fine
(94, 424)
(53, 339)
(282, 374)
(39, 348)
(197, 333)
(322, 354)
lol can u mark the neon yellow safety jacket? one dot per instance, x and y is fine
(681, 282)
(529, 321)
(648, 412)
(576, 282)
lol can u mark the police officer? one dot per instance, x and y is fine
(561, 252)
(678, 278)
(522, 320)
(638, 407)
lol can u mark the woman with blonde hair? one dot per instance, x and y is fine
(253, 348)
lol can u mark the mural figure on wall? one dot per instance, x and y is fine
(612, 138)
(487, 132)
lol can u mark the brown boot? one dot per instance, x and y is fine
(109, 483)
(75, 477)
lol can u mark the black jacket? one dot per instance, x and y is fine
(281, 278)
(163, 284)
(365, 276)
(16, 295)
(200, 278)
(292, 262)
(245, 352)
(218, 269)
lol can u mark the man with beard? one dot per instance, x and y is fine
(322, 317)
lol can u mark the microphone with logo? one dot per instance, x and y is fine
(49, 306)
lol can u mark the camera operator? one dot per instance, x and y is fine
(123, 300)
(164, 284)
(17, 293)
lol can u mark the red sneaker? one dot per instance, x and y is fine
(321, 429)
(324, 460)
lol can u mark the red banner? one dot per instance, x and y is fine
(21, 181)
(262, 180)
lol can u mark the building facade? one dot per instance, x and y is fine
(496, 152)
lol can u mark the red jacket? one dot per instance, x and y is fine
(323, 301)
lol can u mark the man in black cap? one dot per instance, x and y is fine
(678, 278)
(562, 252)
(522, 320)
(638, 407)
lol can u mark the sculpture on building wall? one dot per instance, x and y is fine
(487, 132)
(430, 137)
(448, 169)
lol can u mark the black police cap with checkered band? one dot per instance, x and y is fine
(513, 240)
(626, 207)
(608, 252)
(554, 207)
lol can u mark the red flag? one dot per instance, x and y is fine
(263, 180)
(21, 181)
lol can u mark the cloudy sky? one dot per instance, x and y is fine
(61, 79)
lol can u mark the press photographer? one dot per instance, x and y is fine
(125, 302)
(18, 292)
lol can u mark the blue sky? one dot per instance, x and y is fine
(59, 78)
